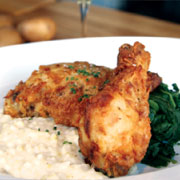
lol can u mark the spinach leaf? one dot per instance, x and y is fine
(165, 125)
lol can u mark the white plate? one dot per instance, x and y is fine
(17, 63)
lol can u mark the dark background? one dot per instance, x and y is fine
(162, 9)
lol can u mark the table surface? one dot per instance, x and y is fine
(19, 7)
(103, 22)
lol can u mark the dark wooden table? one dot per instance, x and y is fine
(103, 22)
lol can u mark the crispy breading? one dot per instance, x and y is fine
(131, 55)
(154, 80)
(115, 129)
(111, 105)
(59, 91)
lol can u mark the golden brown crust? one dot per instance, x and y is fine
(133, 55)
(59, 91)
(154, 80)
(114, 126)
(115, 130)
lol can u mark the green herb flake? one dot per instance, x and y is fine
(71, 67)
(39, 129)
(86, 96)
(73, 90)
(174, 161)
(67, 142)
(106, 81)
(80, 99)
(87, 80)
(58, 133)
(83, 96)
(54, 128)
(83, 72)
(72, 78)
(95, 74)
(67, 78)
(79, 71)
(30, 118)
(79, 151)
(46, 130)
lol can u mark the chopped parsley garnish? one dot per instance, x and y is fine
(95, 74)
(71, 67)
(46, 130)
(87, 80)
(106, 81)
(83, 96)
(165, 125)
(80, 99)
(83, 72)
(86, 73)
(79, 71)
(94, 87)
(58, 133)
(72, 78)
(39, 129)
(73, 90)
(79, 151)
(86, 96)
(54, 128)
(67, 78)
(30, 118)
(67, 142)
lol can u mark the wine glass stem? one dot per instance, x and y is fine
(83, 11)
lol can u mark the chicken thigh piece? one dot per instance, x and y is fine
(114, 132)
(58, 91)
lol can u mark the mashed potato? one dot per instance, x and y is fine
(36, 148)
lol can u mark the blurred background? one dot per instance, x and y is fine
(162, 9)
(24, 21)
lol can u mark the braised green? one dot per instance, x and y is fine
(165, 125)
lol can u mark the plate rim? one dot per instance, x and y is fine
(99, 38)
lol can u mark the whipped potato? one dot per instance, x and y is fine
(37, 148)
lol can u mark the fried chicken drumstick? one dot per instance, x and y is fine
(115, 128)
(130, 55)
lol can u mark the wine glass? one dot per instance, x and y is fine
(84, 6)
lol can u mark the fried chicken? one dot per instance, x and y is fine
(114, 132)
(130, 55)
(109, 107)
(59, 91)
